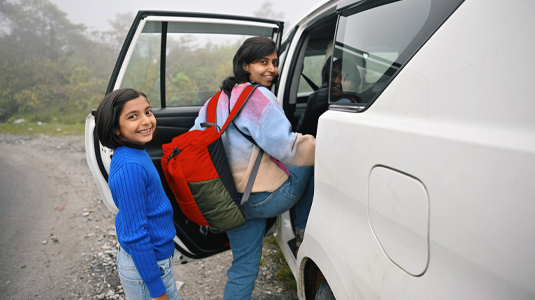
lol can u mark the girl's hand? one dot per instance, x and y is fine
(162, 297)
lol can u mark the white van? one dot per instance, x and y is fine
(425, 159)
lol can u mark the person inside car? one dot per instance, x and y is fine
(345, 81)
(342, 83)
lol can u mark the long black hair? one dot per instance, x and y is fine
(108, 113)
(250, 51)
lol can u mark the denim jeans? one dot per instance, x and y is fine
(134, 287)
(246, 241)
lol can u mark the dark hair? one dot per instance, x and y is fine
(326, 70)
(108, 113)
(350, 67)
(250, 51)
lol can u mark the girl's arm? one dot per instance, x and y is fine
(273, 133)
(162, 297)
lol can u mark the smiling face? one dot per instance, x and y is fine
(337, 86)
(263, 70)
(136, 121)
(344, 79)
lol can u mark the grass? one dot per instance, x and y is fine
(284, 273)
(48, 128)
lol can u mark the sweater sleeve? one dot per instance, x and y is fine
(274, 135)
(201, 118)
(130, 190)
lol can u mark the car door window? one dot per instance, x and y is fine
(315, 51)
(196, 55)
(144, 67)
(369, 52)
(306, 68)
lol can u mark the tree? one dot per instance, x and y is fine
(266, 11)
(46, 62)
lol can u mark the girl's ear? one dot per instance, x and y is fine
(245, 67)
(117, 132)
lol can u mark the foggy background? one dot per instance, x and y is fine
(57, 56)
(96, 13)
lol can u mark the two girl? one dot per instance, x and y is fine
(144, 224)
(124, 122)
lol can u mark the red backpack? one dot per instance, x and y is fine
(196, 167)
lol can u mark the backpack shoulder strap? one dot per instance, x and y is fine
(244, 96)
(211, 116)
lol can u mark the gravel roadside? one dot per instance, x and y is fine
(75, 248)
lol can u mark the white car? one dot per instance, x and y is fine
(425, 162)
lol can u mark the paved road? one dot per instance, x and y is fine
(23, 201)
(35, 207)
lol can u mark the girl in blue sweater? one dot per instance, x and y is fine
(124, 122)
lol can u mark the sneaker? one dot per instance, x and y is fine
(299, 235)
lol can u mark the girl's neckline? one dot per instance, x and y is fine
(135, 146)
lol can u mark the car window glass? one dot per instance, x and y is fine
(143, 72)
(312, 65)
(369, 51)
(198, 56)
(197, 65)
(316, 53)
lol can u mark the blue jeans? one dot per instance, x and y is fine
(134, 287)
(246, 241)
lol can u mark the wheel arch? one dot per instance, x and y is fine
(315, 267)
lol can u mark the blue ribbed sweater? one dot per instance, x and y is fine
(144, 222)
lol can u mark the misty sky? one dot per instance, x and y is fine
(96, 13)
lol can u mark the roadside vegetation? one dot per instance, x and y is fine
(31, 128)
(54, 72)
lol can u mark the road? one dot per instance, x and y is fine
(58, 239)
(41, 207)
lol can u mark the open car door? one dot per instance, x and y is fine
(179, 61)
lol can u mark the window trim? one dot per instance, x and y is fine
(286, 43)
(163, 65)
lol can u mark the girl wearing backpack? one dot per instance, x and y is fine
(285, 177)
(145, 231)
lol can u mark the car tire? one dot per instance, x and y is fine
(324, 292)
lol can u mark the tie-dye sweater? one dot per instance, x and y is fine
(264, 120)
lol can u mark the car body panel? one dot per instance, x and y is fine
(453, 133)
(444, 121)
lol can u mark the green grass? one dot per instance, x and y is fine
(48, 128)
(284, 273)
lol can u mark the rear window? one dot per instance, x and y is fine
(373, 44)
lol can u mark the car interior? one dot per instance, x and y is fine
(315, 49)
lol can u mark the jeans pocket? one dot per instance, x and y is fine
(165, 267)
(263, 202)
(273, 205)
(133, 285)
